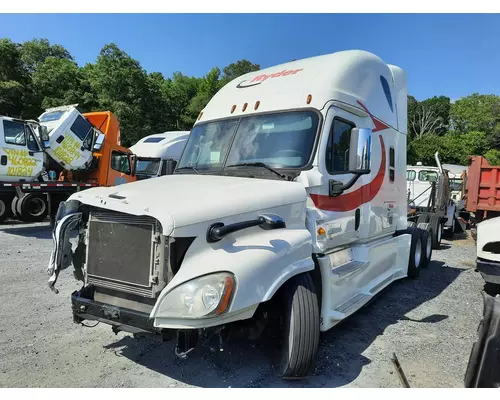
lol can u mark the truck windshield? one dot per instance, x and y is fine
(456, 184)
(51, 116)
(147, 166)
(280, 140)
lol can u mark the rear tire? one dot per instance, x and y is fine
(13, 207)
(423, 218)
(416, 252)
(5, 211)
(300, 335)
(426, 247)
(32, 208)
(437, 231)
(449, 232)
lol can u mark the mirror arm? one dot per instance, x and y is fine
(337, 188)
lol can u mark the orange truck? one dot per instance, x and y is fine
(49, 163)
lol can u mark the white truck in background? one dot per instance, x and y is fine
(456, 174)
(430, 199)
(287, 212)
(159, 153)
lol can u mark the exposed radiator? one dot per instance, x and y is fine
(124, 252)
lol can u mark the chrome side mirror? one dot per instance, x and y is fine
(360, 151)
(98, 142)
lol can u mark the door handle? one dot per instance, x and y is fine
(31, 153)
(3, 160)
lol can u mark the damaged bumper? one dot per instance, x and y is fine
(62, 255)
(121, 319)
(489, 270)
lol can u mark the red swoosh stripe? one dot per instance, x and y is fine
(379, 125)
(354, 199)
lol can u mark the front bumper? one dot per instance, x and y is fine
(489, 270)
(121, 319)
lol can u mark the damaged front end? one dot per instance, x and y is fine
(124, 262)
(67, 220)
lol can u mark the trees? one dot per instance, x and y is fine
(234, 70)
(34, 52)
(428, 116)
(38, 74)
(58, 81)
(452, 149)
(13, 79)
(477, 112)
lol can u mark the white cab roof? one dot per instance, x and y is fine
(351, 77)
(167, 145)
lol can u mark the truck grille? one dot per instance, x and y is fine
(122, 252)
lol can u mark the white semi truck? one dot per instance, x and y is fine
(287, 209)
(159, 153)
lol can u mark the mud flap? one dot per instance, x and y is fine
(61, 256)
(483, 370)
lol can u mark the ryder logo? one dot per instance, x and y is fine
(263, 77)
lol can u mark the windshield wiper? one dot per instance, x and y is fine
(258, 164)
(188, 167)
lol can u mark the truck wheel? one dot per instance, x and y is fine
(449, 232)
(423, 218)
(300, 334)
(437, 231)
(13, 207)
(4, 208)
(32, 208)
(417, 252)
(426, 247)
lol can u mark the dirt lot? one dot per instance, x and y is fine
(429, 323)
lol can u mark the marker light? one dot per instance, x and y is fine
(233, 108)
(257, 104)
(321, 231)
(244, 107)
(309, 98)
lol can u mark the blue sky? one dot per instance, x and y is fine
(453, 55)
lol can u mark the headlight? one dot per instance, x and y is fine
(201, 297)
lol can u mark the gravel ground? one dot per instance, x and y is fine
(430, 324)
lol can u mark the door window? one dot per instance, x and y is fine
(120, 162)
(32, 143)
(427, 176)
(337, 149)
(81, 128)
(14, 133)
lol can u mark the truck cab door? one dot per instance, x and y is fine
(120, 169)
(341, 216)
(21, 156)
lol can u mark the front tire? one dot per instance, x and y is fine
(300, 334)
